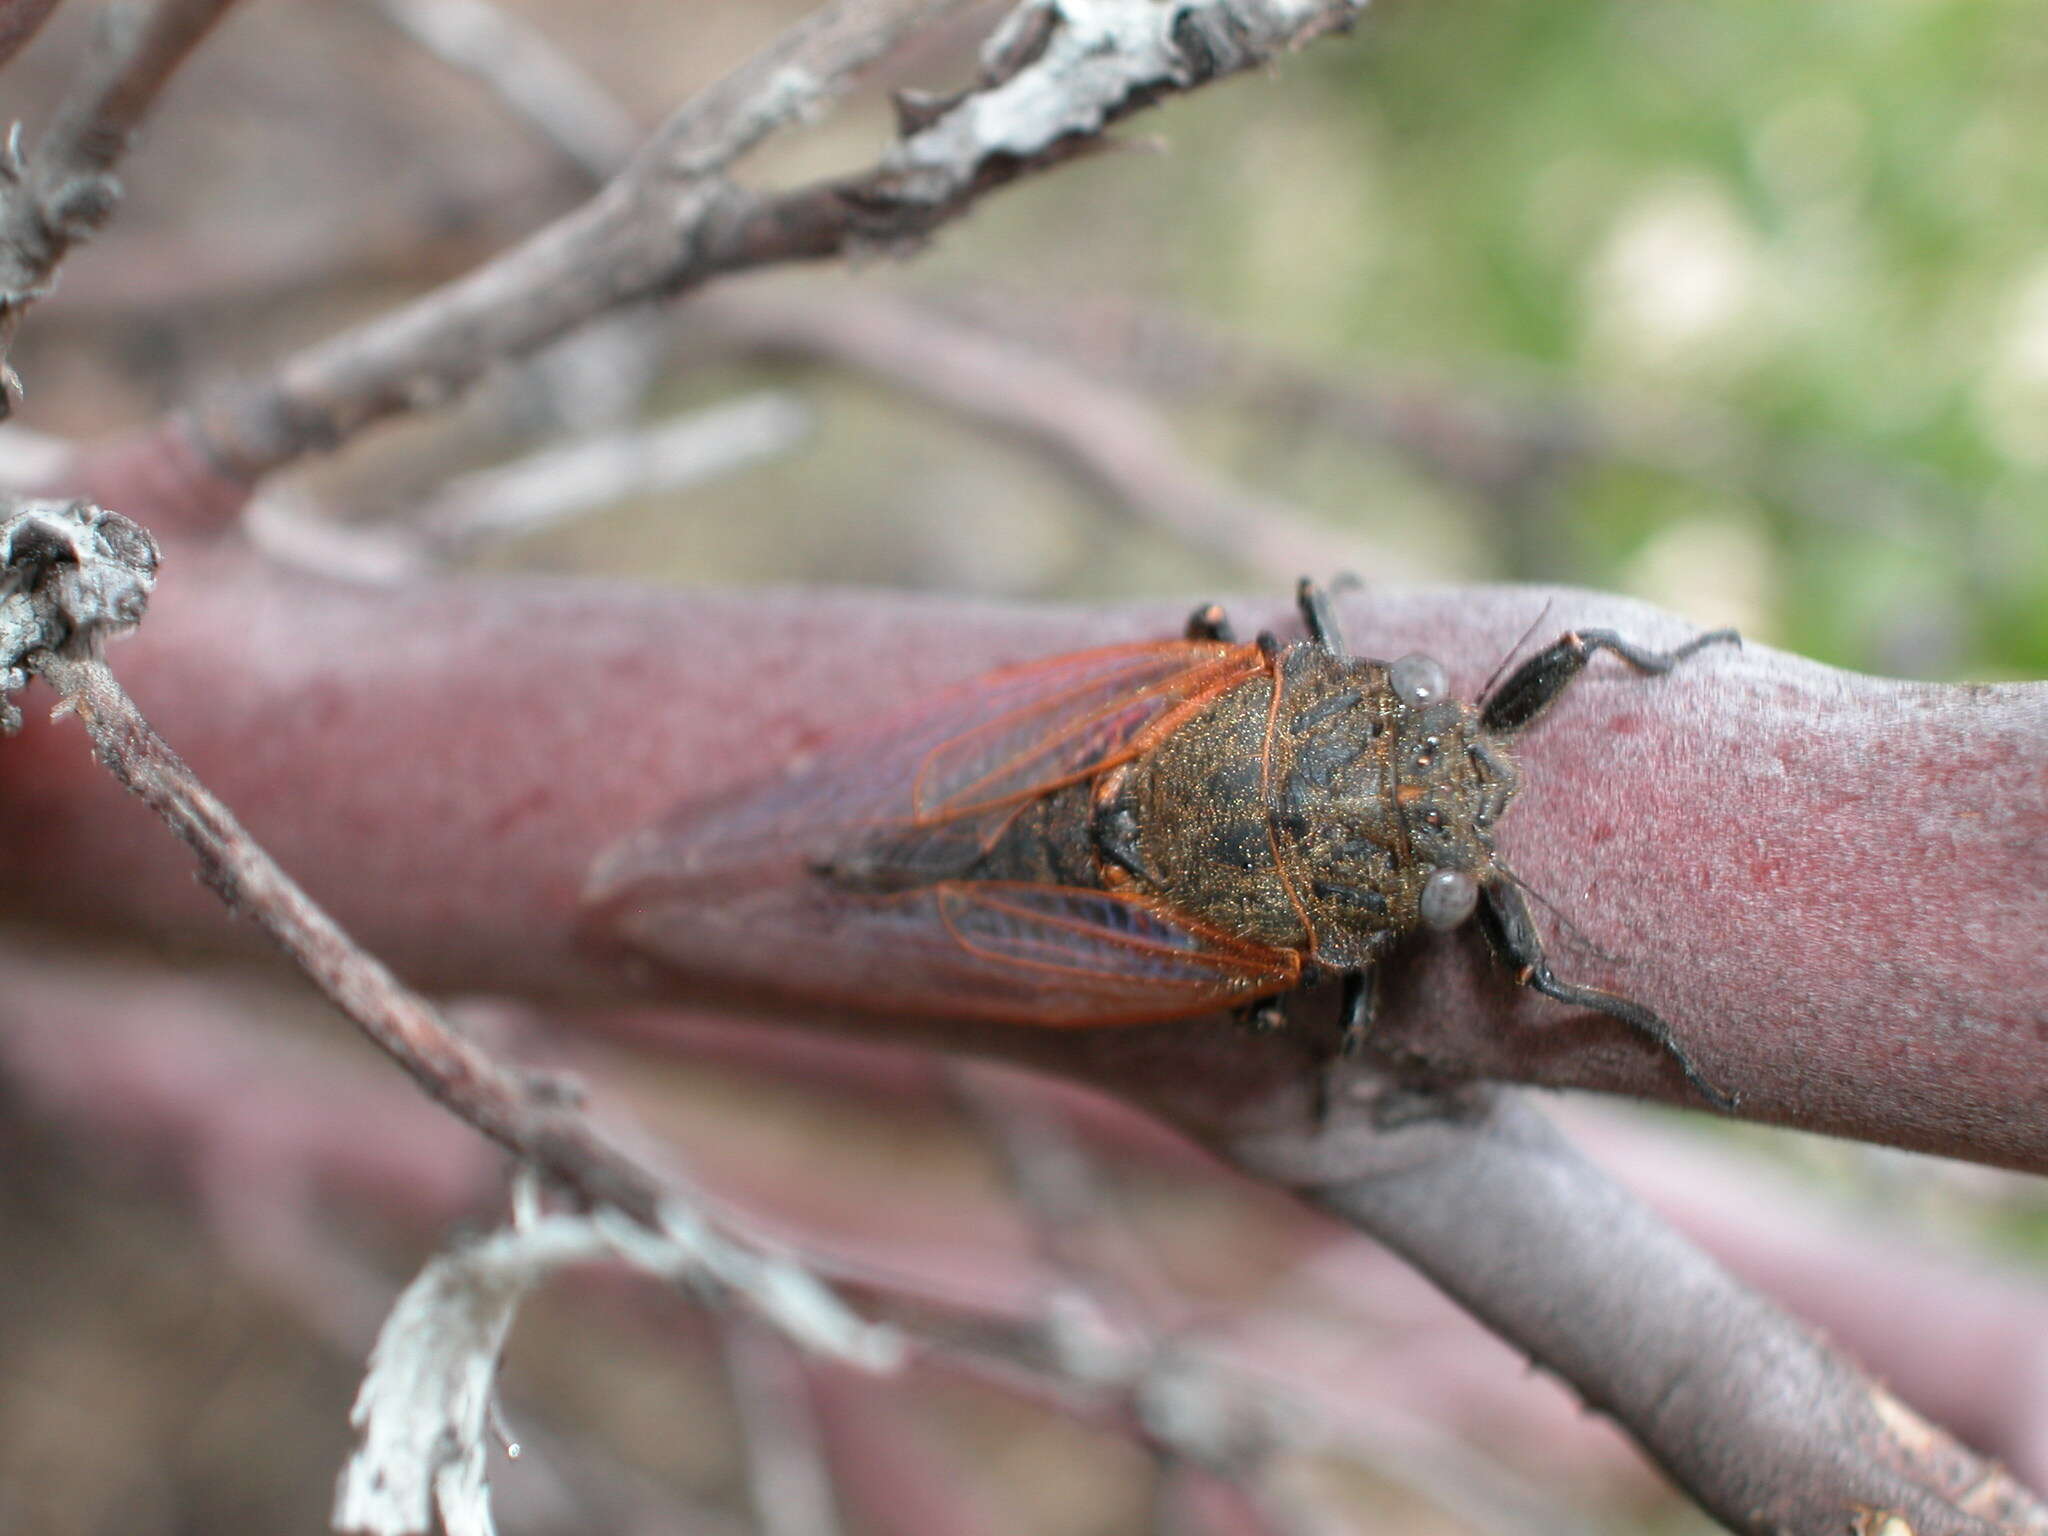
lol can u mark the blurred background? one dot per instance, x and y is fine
(1742, 309)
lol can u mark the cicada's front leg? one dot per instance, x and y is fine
(1512, 932)
(1539, 680)
(1210, 622)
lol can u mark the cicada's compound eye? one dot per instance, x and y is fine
(1418, 679)
(1448, 897)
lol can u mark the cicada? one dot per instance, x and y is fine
(1126, 835)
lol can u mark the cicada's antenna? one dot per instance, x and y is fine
(1514, 651)
(1578, 935)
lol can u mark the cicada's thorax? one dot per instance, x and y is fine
(1304, 809)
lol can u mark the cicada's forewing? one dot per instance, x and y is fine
(737, 890)
(947, 771)
(1110, 958)
(1063, 720)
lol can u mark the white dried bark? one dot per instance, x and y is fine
(1098, 59)
(423, 1414)
(71, 576)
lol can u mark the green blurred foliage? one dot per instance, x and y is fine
(1788, 265)
(1819, 228)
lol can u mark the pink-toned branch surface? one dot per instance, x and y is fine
(1834, 887)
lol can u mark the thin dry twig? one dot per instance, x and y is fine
(621, 246)
(73, 576)
(556, 484)
(528, 1117)
(529, 494)
(788, 1474)
(20, 20)
(1055, 76)
(542, 85)
(1112, 443)
(66, 190)
(452, 1069)
(1115, 445)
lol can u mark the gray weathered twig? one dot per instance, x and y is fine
(525, 495)
(66, 190)
(70, 576)
(20, 20)
(1054, 77)
(541, 84)
(1108, 438)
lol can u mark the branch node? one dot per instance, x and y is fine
(71, 575)
(77, 207)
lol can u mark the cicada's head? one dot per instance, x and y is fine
(1452, 780)
(1385, 794)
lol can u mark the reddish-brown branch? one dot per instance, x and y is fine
(1790, 862)
(1768, 1428)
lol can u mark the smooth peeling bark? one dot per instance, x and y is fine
(1834, 887)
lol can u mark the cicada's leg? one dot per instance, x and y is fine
(1357, 1006)
(1265, 1017)
(1512, 932)
(1210, 622)
(1319, 616)
(1540, 679)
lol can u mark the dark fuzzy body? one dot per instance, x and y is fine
(1300, 808)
